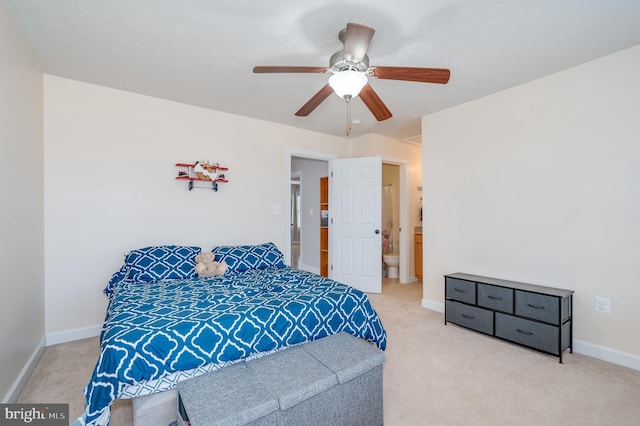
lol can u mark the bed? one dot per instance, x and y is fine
(164, 324)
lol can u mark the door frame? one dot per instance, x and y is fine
(289, 153)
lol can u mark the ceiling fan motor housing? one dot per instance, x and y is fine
(338, 63)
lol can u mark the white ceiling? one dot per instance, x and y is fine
(202, 52)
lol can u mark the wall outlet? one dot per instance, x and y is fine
(603, 305)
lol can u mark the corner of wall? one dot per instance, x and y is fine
(15, 390)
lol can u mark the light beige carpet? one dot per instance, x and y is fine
(434, 375)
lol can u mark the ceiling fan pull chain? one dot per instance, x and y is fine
(348, 98)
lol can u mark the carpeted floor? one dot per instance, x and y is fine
(434, 375)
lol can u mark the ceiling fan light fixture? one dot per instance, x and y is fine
(347, 84)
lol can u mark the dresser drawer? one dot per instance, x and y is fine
(464, 291)
(469, 316)
(538, 306)
(493, 297)
(529, 333)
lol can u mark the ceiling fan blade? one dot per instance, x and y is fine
(374, 103)
(423, 75)
(315, 101)
(274, 69)
(356, 41)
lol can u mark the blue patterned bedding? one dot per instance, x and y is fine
(156, 334)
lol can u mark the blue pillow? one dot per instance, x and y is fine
(161, 263)
(243, 258)
(155, 263)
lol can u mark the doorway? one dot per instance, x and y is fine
(391, 247)
(395, 172)
(309, 219)
(303, 213)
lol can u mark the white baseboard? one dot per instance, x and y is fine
(71, 335)
(606, 354)
(25, 373)
(579, 346)
(434, 306)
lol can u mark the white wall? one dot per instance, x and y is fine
(21, 215)
(541, 183)
(110, 186)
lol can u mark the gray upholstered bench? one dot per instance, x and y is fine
(335, 380)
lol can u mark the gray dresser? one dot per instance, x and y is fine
(535, 316)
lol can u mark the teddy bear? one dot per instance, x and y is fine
(206, 266)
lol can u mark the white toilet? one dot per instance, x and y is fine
(392, 261)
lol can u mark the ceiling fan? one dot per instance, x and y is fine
(349, 69)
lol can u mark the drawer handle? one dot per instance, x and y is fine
(459, 290)
(535, 306)
(494, 297)
(468, 316)
(527, 333)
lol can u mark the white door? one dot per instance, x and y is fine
(355, 191)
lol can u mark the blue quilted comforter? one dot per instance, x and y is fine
(156, 334)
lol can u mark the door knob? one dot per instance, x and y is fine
(377, 231)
